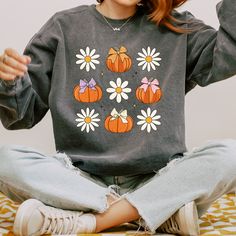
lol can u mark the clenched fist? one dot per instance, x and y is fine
(12, 64)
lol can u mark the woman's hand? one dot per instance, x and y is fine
(12, 64)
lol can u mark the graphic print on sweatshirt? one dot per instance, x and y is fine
(87, 59)
(87, 91)
(147, 92)
(118, 60)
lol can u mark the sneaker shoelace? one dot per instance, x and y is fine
(58, 221)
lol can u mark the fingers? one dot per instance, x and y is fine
(6, 76)
(10, 52)
(12, 64)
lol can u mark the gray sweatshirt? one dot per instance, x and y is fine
(117, 96)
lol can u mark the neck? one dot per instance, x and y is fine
(114, 10)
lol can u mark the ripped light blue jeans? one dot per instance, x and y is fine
(203, 174)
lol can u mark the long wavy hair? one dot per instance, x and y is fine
(159, 11)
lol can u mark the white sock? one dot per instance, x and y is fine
(88, 223)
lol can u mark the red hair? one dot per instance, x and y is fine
(159, 11)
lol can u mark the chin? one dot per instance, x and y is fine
(128, 3)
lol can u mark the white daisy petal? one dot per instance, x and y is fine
(95, 56)
(92, 52)
(95, 61)
(112, 96)
(155, 63)
(127, 90)
(144, 126)
(148, 128)
(148, 67)
(83, 127)
(124, 84)
(113, 84)
(157, 59)
(118, 98)
(83, 65)
(92, 65)
(141, 55)
(80, 56)
(144, 113)
(118, 82)
(79, 115)
(152, 65)
(96, 120)
(87, 51)
(152, 52)
(80, 124)
(156, 55)
(87, 112)
(79, 61)
(94, 124)
(83, 112)
(91, 113)
(87, 128)
(94, 116)
(156, 117)
(141, 63)
(125, 96)
(141, 117)
(148, 111)
(88, 67)
(144, 52)
(110, 90)
(83, 53)
(153, 126)
(148, 51)
(91, 127)
(156, 122)
(141, 59)
(79, 119)
(153, 113)
(141, 122)
(144, 66)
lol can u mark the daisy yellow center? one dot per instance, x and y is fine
(119, 90)
(149, 119)
(88, 59)
(87, 119)
(148, 59)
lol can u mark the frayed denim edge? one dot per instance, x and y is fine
(146, 222)
(66, 160)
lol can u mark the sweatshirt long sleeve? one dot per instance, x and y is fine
(117, 96)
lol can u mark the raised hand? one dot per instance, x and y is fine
(12, 64)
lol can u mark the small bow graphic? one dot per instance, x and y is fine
(84, 84)
(122, 114)
(114, 53)
(153, 84)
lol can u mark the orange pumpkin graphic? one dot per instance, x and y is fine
(118, 122)
(118, 61)
(149, 92)
(87, 91)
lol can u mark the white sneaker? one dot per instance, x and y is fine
(183, 222)
(33, 218)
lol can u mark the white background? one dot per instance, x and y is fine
(210, 111)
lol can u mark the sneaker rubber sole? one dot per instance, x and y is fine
(23, 215)
(189, 219)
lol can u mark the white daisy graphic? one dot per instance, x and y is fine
(87, 120)
(149, 120)
(119, 90)
(87, 59)
(149, 59)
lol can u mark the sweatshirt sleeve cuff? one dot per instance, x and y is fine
(7, 83)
